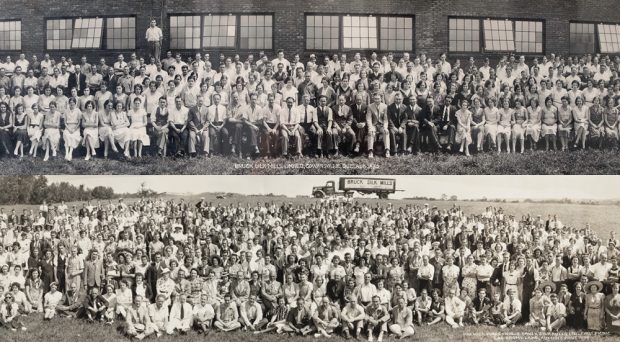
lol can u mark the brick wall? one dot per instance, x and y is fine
(431, 23)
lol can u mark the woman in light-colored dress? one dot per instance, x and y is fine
(35, 129)
(594, 311)
(51, 135)
(549, 127)
(138, 135)
(581, 118)
(534, 123)
(477, 123)
(106, 134)
(565, 123)
(519, 122)
(71, 133)
(610, 116)
(491, 118)
(469, 273)
(90, 123)
(463, 128)
(596, 122)
(511, 279)
(120, 128)
(503, 126)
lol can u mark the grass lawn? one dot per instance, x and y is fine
(539, 162)
(70, 330)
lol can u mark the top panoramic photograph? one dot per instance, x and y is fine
(309, 87)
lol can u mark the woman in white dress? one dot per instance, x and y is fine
(51, 135)
(463, 129)
(503, 126)
(519, 122)
(565, 122)
(120, 128)
(581, 118)
(491, 118)
(533, 124)
(549, 127)
(35, 128)
(138, 136)
(90, 123)
(105, 128)
(71, 133)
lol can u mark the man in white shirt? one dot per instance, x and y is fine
(556, 313)
(512, 310)
(154, 37)
(352, 317)
(158, 312)
(455, 309)
(203, 314)
(178, 126)
(251, 315)
(180, 316)
(289, 127)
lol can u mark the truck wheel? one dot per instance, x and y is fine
(319, 194)
(383, 195)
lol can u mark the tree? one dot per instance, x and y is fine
(102, 192)
(454, 198)
(444, 197)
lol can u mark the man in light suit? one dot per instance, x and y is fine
(93, 272)
(398, 123)
(377, 122)
(342, 130)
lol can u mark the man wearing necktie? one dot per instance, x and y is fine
(269, 126)
(377, 122)
(218, 134)
(512, 310)
(251, 118)
(358, 113)
(308, 124)
(342, 130)
(447, 125)
(397, 124)
(198, 127)
(430, 119)
(290, 127)
(412, 125)
(180, 316)
(325, 121)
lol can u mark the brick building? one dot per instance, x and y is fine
(460, 27)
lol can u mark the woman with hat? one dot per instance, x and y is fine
(612, 310)
(594, 312)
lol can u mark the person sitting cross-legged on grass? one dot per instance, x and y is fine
(298, 319)
(326, 318)
(251, 315)
(402, 320)
(138, 322)
(376, 320)
(51, 301)
(455, 309)
(480, 307)
(227, 317)
(423, 307)
(72, 302)
(556, 314)
(278, 317)
(9, 313)
(180, 319)
(352, 317)
(537, 310)
(203, 315)
(512, 310)
(437, 312)
(95, 306)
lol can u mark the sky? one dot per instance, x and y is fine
(465, 187)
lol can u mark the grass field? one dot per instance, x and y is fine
(603, 218)
(555, 163)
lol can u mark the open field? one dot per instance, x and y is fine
(574, 162)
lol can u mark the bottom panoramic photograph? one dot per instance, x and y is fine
(300, 258)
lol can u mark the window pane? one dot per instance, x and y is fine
(398, 30)
(256, 32)
(499, 35)
(121, 33)
(528, 36)
(186, 34)
(59, 34)
(608, 36)
(464, 35)
(359, 32)
(581, 38)
(325, 30)
(10, 35)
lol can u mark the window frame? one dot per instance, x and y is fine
(617, 34)
(104, 33)
(21, 30)
(341, 16)
(237, 38)
(597, 42)
(482, 47)
(135, 29)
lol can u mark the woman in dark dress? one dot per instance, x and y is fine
(6, 123)
(47, 270)
(576, 307)
(20, 130)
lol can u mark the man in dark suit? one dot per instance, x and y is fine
(342, 127)
(412, 125)
(358, 111)
(430, 115)
(77, 80)
(397, 124)
(269, 245)
(447, 123)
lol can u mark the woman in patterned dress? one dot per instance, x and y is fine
(596, 124)
(138, 135)
(477, 123)
(594, 311)
(503, 126)
(90, 123)
(610, 115)
(549, 127)
(463, 129)
(581, 118)
(34, 291)
(469, 273)
(51, 135)
(120, 128)
(290, 291)
(195, 286)
(106, 134)
(565, 123)
(71, 133)
(519, 122)
(534, 123)
(20, 130)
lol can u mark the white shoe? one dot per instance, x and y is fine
(24, 329)
(380, 339)
(387, 153)
(370, 338)
(370, 155)
(46, 158)
(54, 154)
(87, 157)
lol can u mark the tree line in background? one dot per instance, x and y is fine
(36, 189)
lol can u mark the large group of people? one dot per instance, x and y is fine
(259, 107)
(312, 269)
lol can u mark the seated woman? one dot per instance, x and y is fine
(20, 130)
(581, 118)
(138, 135)
(519, 122)
(51, 301)
(124, 299)
(34, 291)
(120, 128)
(19, 298)
(504, 125)
(549, 128)
(610, 114)
(71, 133)
(565, 123)
(278, 317)
(538, 304)
(9, 314)
(491, 118)
(596, 122)
(106, 134)
(463, 128)
(90, 125)
(437, 312)
(477, 123)
(35, 129)
(533, 125)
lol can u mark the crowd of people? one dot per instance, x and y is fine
(321, 268)
(259, 107)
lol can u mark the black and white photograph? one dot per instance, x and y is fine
(309, 258)
(309, 87)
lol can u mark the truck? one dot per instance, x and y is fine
(347, 186)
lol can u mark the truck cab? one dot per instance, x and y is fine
(328, 189)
